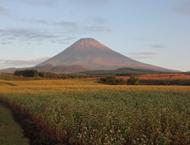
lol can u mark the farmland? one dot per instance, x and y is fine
(162, 76)
(161, 79)
(83, 112)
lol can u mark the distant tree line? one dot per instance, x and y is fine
(133, 80)
(177, 82)
(26, 73)
(31, 73)
(112, 80)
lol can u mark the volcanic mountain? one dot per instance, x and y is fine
(89, 54)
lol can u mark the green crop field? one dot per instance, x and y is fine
(94, 114)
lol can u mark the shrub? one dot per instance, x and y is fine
(26, 73)
(111, 80)
(133, 81)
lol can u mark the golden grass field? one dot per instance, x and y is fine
(77, 85)
(84, 112)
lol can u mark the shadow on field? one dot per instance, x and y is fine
(7, 83)
(35, 135)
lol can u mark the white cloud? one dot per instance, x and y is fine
(24, 34)
(20, 63)
(143, 55)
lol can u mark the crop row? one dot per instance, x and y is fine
(105, 117)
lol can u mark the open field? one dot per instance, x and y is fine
(180, 79)
(162, 76)
(165, 76)
(83, 112)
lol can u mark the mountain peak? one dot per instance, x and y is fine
(87, 43)
(87, 39)
(90, 54)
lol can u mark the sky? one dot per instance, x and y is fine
(151, 31)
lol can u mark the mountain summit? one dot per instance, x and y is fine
(90, 54)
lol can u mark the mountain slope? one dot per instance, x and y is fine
(92, 55)
(60, 68)
(120, 71)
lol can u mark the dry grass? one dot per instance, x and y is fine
(77, 85)
(83, 112)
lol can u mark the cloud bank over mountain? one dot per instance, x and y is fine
(20, 63)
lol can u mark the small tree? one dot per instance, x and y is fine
(26, 73)
(112, 80)
(133, 81)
